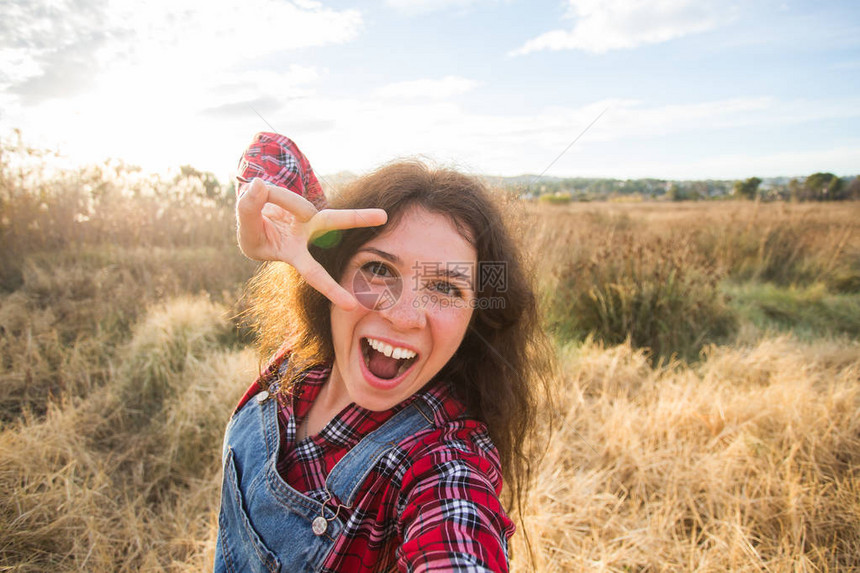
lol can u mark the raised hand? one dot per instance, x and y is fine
(275, 224)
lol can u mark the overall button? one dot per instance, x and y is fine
(262, 396)
(319, 525)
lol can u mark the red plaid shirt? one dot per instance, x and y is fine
(438, 511)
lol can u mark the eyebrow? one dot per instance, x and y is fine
(454, 274)
(385, 255)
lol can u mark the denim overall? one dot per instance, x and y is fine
(267, 526)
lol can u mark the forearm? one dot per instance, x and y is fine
(453, 521)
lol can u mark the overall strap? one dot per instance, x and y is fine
(350, 472)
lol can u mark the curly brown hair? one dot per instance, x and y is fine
(502, 369)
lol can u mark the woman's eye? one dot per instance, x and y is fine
(446, 288)
(377, 269)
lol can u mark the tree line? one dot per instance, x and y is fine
(816, 187)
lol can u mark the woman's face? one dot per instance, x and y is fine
(414, 283)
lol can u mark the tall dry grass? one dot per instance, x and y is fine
(749, 461)
(127, 478)
(657, 273)
(660, 294)
(60, 329)
(784, 243)
(111, 205)
(84, 253)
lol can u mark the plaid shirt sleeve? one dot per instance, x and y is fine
(452, 518)
(277, 159)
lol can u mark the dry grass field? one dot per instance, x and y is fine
(708, 409)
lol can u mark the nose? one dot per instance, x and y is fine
(406, 313)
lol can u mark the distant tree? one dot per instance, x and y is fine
(747, 189)
(676, 193)
(852, 189)
(699, 190)
(824, 187)
(795, 190)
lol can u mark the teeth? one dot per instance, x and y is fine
(389, 350)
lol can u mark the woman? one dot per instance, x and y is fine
(404, 379)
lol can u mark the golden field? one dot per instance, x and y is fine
(708, 390)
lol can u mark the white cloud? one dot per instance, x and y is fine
(426, 6)
(603, 25)
(54, 49)
(260, 91)
(140, 80)
(427, 88)
(236, 30)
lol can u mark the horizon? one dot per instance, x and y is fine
(676, 90)
(537, 178)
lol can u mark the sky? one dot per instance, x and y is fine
(672, 89)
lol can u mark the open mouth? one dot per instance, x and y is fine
(384, 360)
